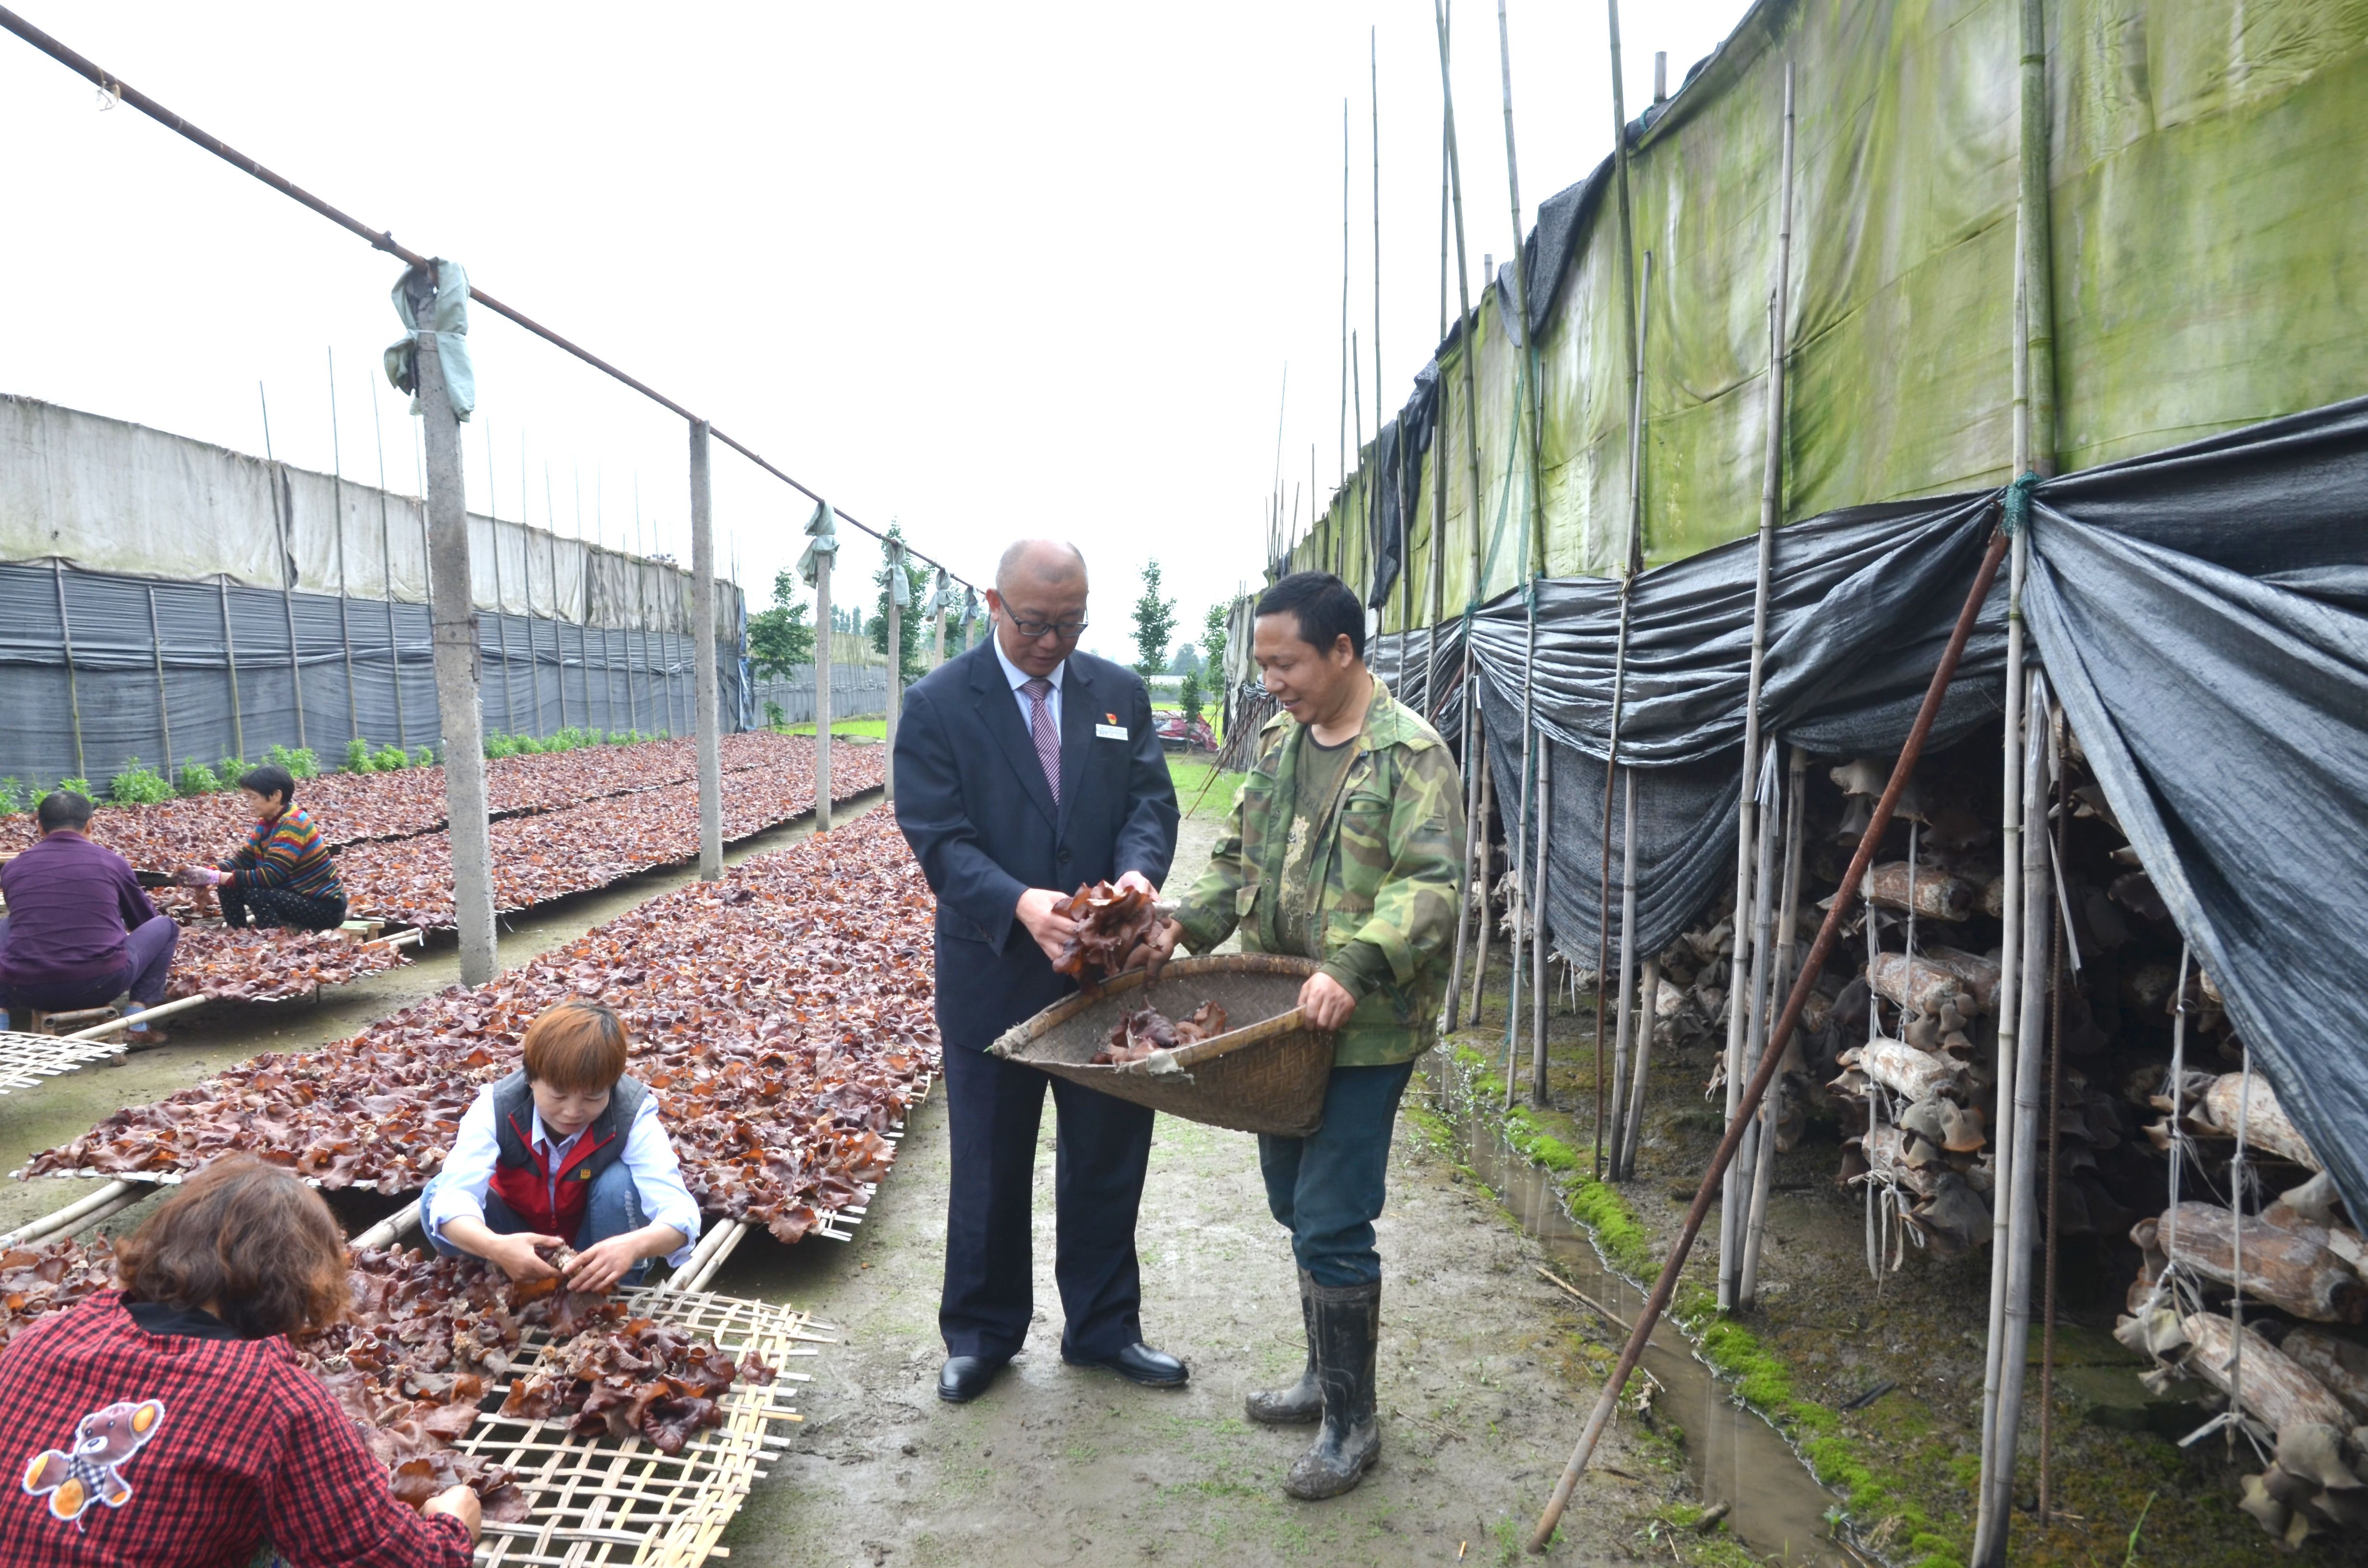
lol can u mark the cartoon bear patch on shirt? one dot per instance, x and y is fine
(104, 1441)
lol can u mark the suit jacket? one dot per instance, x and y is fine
(972, 800)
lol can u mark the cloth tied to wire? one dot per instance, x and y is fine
(900, 581)
(448, 293)
(822, 541)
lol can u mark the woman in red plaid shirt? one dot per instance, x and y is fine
(168, 1424)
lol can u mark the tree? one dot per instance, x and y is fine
(1187, 661)
(1213, 643)
(1155, 623)
(909, 630)
(1188, 698)
(779, 638)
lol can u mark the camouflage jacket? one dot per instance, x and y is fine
(1382, 872)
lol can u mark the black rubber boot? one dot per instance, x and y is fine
(1348, 1325)
(1304, 1401)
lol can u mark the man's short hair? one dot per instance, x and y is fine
(1327, 607)
(65, 809)
(576, 1047)
(270, 779)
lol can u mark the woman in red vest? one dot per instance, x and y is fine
(567, 1149)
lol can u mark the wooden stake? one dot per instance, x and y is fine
(386, 562)
(823, 636)
(457, 656)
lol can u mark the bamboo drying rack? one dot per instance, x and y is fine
(27, 1061)
(599, 1501)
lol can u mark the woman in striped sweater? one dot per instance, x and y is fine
(283, 875)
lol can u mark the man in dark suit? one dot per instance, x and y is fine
(1023, 769)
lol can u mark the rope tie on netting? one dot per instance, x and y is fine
(2015, 514)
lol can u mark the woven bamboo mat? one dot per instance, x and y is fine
(599, 1502)
(27, 1061)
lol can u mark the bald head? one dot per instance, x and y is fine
(1039, 600)
(1039, 562)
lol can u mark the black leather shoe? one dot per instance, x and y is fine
(964, 1377)
(1139, 1363)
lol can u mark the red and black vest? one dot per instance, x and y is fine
(551, 1201)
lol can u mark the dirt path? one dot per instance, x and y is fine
(1481, 1371)
(1484, 1376)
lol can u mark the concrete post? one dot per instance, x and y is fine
(703, 644)
(821, 692)
(457, 670)
(896, 663)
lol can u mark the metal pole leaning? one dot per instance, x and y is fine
(703, 644)
(1770, 1058)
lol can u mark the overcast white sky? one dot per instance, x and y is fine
(988, 271)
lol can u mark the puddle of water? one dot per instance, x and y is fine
(1777, 1507)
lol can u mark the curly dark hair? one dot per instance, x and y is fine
(247, 1240)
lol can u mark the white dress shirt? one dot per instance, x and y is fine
(1020, 677)
(459, 1191)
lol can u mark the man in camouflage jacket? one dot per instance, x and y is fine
(1342, 848)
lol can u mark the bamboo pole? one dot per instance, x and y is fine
(1517, 845)
(2037, 243)
(1623, 1159)
(1483, 858)
(526, 558)
(384, 1233)
(1344, 403)
(164, 708)
(1736, 1200)
(86, 1210)
(1666, 1286)
(822, 699)
(1431, 697)
(1529, 412)
(230, 657)
(1471, 322)
(2011, 954)
(1636, 564)
(1539, 910)
(281, 569)
(337, 493)
(73, 695)
(386, 573)
(2021, 1193)
(2058, 936)
(558, 618)
(501, 604)
(1627, 985)
(1786, 939)
(705, 717)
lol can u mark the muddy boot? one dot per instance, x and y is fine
(1348, 1322)
(1304, 1401)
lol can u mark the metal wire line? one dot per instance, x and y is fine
(383, 239)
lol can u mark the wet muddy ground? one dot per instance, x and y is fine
(1826, 1332)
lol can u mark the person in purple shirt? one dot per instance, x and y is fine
(79, 931)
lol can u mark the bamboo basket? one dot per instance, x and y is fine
(1266, 1076)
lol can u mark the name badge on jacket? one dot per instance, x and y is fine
(1113, 730)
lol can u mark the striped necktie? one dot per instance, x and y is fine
(1047, 738)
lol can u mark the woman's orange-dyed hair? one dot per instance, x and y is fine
(577, 1045)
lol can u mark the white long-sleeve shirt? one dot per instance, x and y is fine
(1020, 677)
(460, 1189)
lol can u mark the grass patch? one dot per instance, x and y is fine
(1201, 790)
(844, 729)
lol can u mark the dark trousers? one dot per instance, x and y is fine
(1327, 1190)
(278, 906)
(147, 958)
(1104, 1144)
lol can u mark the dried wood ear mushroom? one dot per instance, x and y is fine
(1110, 921)
(1145, 1030)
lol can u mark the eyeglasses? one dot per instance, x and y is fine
(1067, 629)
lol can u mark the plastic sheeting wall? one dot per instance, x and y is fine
(2207, 207)
(153, 658)
(857, 691)
(109, 496)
